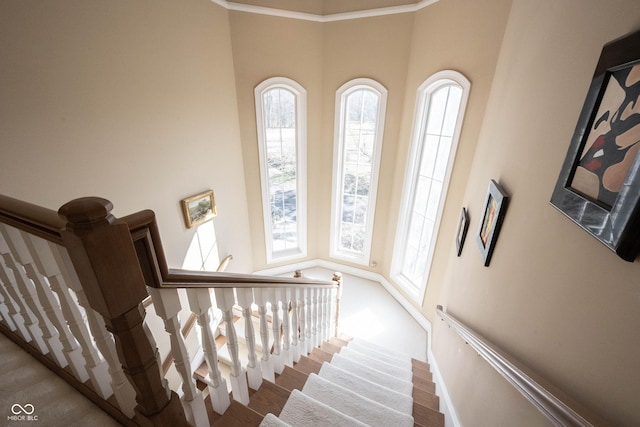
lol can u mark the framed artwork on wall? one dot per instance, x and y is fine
(495, 207)
(463, 227)
(199, 208)
(599, 184)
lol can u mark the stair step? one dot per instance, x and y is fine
(269, 398)
(427, 399)
(424, 384)
(320, 355)
(330, 348)
(337, 341)
(427, 416)
(236, 415)
(291, 379)
(308, 365)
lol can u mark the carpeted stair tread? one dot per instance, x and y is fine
(346, 401)
(303, 411)
(393, 359)
(25, 380)
(373, 375)
(272, 421)
(368, 389)
(359, 342)
(269, 398)
(291, 379)
(400, 372)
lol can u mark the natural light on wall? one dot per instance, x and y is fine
(437, 122)
(281, 116)
(360, 113)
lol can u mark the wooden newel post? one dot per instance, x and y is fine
(337, 277)
(102, 252)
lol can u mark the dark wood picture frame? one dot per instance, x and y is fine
(199, 209)
(493, 212)
(612, 217)
(463, 227)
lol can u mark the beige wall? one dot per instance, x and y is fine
(553, 296)
(131, 101)
(464, 36)
(321, 57)
(264, 47)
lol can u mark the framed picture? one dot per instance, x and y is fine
(199, 208)
(463, 227)
(599, 185)
(495, 206)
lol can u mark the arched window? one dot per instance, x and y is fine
(359, 124)
(281, 122)
(440, 106)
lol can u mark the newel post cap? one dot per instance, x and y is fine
(87, 212)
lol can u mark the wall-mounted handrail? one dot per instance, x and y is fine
(556, 405)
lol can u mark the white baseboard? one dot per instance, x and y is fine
(446, 405)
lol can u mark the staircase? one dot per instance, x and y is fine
(345, 382)
(74, 287)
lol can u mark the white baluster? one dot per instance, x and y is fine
(295, 325)
(254, 373)
(306, 316)
(325, 314)
(200, 303)
(287, 355)
(319, 318)
(313, 316)
(266, 362)
(65, 316)
(278, 363)
(25, 321)
(41, 330)
(106, 376)
(226, 301)
(166, 303)
(9, 311)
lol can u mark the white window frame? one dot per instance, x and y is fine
(338, 170)
(301, 168)
(414, 157)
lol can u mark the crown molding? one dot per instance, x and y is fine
(260, 10)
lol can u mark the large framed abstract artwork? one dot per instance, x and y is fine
(599, 184)
(495, 207)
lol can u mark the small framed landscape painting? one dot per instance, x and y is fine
(599, 184)
(495, 207)
(199, 208)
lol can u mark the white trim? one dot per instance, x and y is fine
(354, 271)
(410, 180)
(260, 10)
(338, 168)
(301, 168)
(446, 404)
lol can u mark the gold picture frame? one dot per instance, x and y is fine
(199, 209)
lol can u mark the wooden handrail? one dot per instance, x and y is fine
(33, 219)
(556, 405)
(148, 244)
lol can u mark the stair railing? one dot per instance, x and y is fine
(72, 290)
(557, 406)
